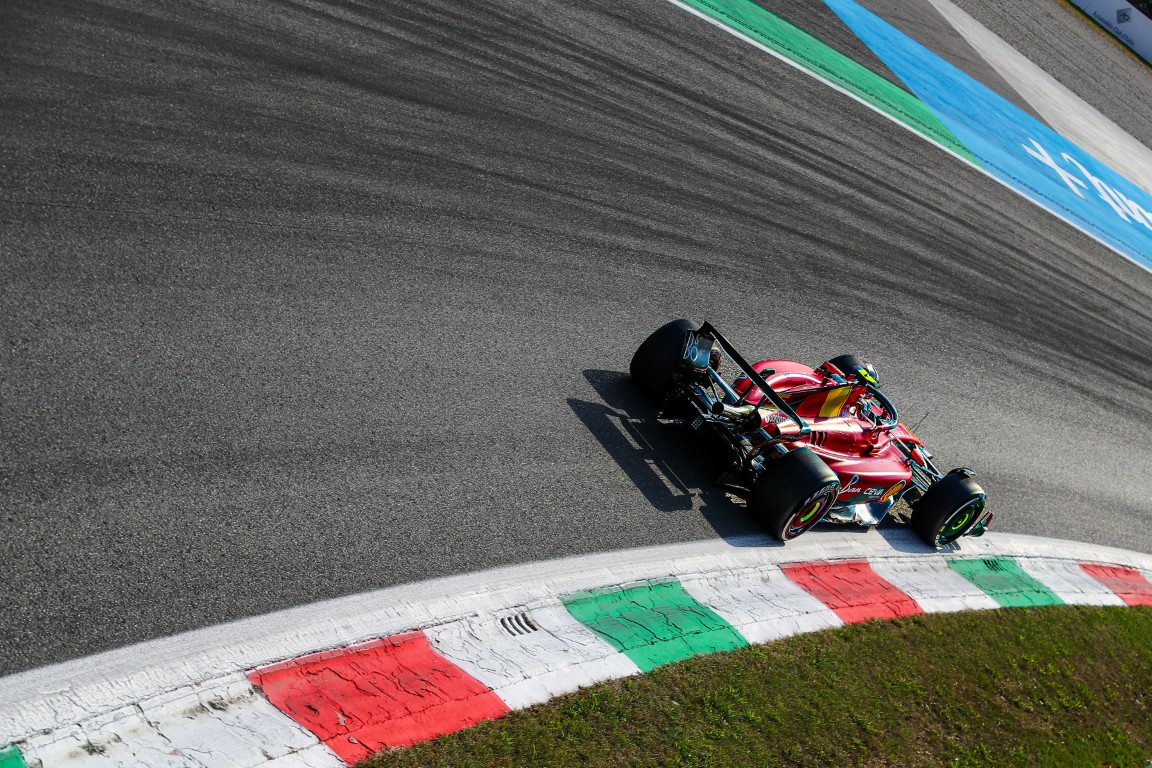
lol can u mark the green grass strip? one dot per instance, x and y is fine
(654, 623)
(776, 34)
(1005, 582)
(11, 758)
(1051, 687)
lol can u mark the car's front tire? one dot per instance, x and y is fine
(950, 508)
(792, 493)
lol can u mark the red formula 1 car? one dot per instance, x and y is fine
(809, 444)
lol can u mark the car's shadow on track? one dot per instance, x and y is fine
(673, 467)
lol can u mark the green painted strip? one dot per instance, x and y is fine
(653, 623)
(1005, 582)
(11, 758)
(796, 45)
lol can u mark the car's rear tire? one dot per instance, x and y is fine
(793, 493)
(656, 361)
(951, 507)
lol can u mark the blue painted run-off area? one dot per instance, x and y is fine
(1015, 147)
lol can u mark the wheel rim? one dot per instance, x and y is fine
(809, 513)
(960, 521)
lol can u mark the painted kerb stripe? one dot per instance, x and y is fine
(10, 758)
(1005, 581)
(322, 708)
(528, 656)
(852, 589)
(392, 692)
(1128, 583)
(653, 623)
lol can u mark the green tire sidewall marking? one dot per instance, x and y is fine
(808, 515)
(801, 48)
(653, 623)
(959, 521)
(1003, 580)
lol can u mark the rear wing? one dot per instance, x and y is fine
(707, 330)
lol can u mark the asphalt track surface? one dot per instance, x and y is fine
(302, 299)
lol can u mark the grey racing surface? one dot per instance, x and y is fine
(303, 298)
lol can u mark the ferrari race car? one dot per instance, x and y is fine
(808, 445)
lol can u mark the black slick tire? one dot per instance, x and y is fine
(793, 493)
(656, 361)
(951, 507)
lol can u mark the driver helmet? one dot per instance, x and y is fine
(852, 367)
